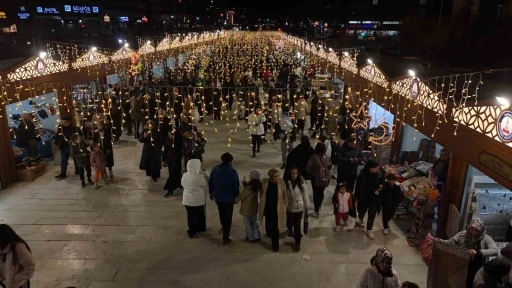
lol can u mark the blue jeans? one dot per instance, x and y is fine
(252, 231)
(64, 157)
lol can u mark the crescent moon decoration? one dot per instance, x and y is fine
(378, 139)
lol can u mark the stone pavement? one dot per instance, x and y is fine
(128, 235)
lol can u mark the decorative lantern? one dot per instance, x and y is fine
(106, 18)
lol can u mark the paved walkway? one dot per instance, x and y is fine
(128, 235)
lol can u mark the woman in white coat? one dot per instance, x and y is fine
(298, 203)
(194, 187)
(255, 121)
(380, 273)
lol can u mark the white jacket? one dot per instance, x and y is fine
(297, 200)
(286, 123)
(371, 278)
(194, 184)
(256, 124)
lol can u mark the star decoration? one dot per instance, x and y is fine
(361, 118)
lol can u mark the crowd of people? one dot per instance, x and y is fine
(264, 83)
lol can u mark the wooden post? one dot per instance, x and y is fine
(453, 190)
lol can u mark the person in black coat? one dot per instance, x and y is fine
(164, 124)
(116, 114)
(151, 158)
(126, 107)
(391, 196)
(103, 136)
(64, 132)
(26, 136)
(367, 195)
(172, 158)
(348, 157)
(300, 155)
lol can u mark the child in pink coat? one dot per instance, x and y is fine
(99, 163)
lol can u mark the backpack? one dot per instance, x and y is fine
(323, 178)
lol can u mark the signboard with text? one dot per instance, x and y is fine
(81, 9)
(47, 10)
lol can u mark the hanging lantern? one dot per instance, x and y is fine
(106, 18)
(144, 19)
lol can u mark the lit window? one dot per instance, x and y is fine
(375, 2)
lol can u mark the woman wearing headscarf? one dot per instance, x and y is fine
(18, 264)
(273, 202)
(380, 274)
(479, 245)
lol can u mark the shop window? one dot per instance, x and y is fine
(488, 200)
(418, 147)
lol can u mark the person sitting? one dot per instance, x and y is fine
(491, 275)
(479, 245)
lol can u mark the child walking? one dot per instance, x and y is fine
(249, 207)
(343, 203)
(98, 161)
(81, 155)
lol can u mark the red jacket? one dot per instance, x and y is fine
(98, 161)
(335, 202)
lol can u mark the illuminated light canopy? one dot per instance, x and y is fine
(37, 67)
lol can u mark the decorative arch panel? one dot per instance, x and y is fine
(416, 90)
(349, 64)
(90, 58)
(146, 49)
(493, 121)
(122, 53)
(374, 74)
(37, 67)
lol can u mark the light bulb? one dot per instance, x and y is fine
(412, 73)
(42, 55)
(370, 61)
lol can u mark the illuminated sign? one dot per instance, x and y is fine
(81, 9)
(362, 26)
(124, 19)
(144, 19)
(2, 14)
(23, 14)
(47, 10)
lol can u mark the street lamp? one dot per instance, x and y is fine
(42, 55)
(503, 101)
(126, 45)
(412, 73)
(370, 61)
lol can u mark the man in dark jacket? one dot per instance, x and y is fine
(348, 157)
(367, 196)
(26, 135)
(300, 155)
(224, 187)
(391, 197)
(64, 132)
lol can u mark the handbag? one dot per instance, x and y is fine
(306, 224)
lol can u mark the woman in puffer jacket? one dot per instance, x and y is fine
(194, 187)
(298, 203)
(381, 273)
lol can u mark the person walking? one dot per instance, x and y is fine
(301, 112)
(298, 204)
(18, 264)
(64, 132)
(380, 273)
(348, 155)
(172, 158)
(273, 203)
(300, 155)
(367, 195)
(224, 188)
(151, 157)
(256, 129)
(194, 187)
(98, 162)
(136, 113)
(343, 202)
(249, 207)
(26, 136)
(81, 155)
(287, 135)
(318, 169)
(103, 136)
(391, 197)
